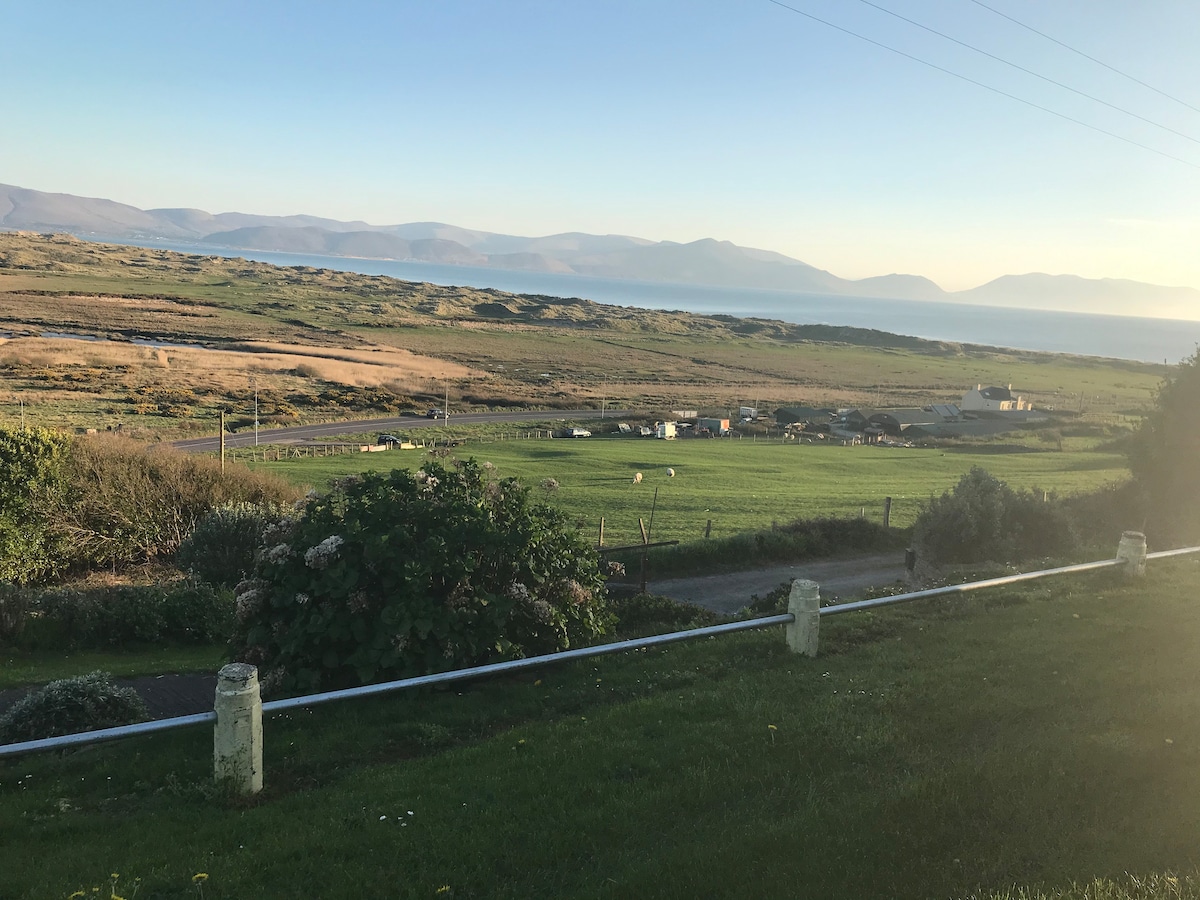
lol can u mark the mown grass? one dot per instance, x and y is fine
(741, 485)
(23, 667)
(1027, 739)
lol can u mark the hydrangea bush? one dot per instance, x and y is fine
(405, 573)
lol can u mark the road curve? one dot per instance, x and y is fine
(299, 433)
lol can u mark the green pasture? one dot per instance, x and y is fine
(741, 485)
(1010, 743)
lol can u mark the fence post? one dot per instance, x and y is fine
(887, 512)
(1132, 551)
(238, 735)
(805, 604)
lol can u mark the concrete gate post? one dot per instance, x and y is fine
(238, 736)
(1132, 551)
(805, 604)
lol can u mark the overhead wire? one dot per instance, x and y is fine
(1086, 56)
(1027, 71)
(985, 86)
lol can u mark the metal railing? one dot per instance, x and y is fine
(108, 734)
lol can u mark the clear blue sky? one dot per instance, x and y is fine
(733, 119)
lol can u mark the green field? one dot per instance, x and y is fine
(1037, 736)
(741, 485)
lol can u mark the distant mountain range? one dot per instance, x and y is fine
(703, 262)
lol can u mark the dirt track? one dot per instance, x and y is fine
(730, 591)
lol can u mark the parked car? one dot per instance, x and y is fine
(435, 414)
(578, 432)
(389, 440)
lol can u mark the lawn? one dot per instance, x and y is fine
(740, 485)
(1035, 736)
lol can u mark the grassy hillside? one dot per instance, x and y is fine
(486, 347)
(1034, 737)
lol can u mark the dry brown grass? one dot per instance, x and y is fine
(232, 367)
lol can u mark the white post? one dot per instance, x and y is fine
(805, 604)
(238, 736)
(1132, 551)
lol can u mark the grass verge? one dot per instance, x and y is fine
(1037, 737)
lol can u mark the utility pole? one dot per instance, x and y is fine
(254, 384)
(222, 441)
(446, 405)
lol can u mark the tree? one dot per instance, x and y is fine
(1164, 456)
(406, 573)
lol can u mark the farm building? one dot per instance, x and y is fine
(718, 427)
(993, 398)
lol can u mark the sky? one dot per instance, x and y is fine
(740, 120)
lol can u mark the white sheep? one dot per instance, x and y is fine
(637, 478)
(670, 473)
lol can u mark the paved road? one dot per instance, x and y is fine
(300, 433)
(730, 591)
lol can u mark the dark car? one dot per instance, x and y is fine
(389, 440)
(434, 414)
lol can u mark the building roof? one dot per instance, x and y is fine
(996, 393)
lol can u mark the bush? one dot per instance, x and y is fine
(646, 614)
(71, 705)
(179, 612)
(984, 520)
(1163, 454)
(14, 607)
(795, 540)
(407, 573)
(222, 546)
(129, 503)
(32, 480)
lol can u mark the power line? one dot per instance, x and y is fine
(1020, 68)
(1098, 62)
(986, 87)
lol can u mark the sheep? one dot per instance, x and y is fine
(637, 478)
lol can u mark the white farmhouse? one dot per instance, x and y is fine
(993, 398)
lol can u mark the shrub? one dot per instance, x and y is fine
(646, 614)
(85, 703)
(179, 612)
(1163, 454)
(32, 480)
(799, 539)
(983, 520)
(14, 607)
(408, 573)
(222, 546)
(129, 502)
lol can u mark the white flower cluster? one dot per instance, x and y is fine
(278, 554)
(428, 482)
(518, 592)
(249, 603)
(318, 557)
